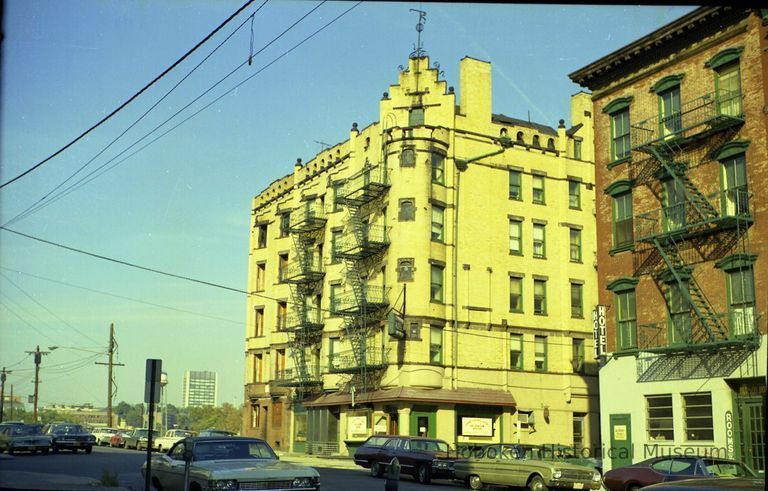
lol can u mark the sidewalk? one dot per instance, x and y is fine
(39, 481)
(332, 462)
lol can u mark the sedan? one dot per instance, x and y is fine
(137, 439)
(69, 436)
(23, 438)
(117, 440)
(103, 435)
(712, 484)
(228, 463)
(672, 468)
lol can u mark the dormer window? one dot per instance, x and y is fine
(551, 144)
(536, 141)
(416, 116)
(520, 138)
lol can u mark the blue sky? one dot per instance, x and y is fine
(182, 204)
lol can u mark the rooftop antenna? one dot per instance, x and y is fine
(324, 145)
(418, 50)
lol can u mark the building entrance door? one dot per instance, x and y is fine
(752, 431)
(423, 422)
(621, 440)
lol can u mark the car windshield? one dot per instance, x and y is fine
(25, 430)
(232, 450)
(68, 429)
(724, 468)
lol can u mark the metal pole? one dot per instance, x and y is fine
(2, 393)
(38, 357)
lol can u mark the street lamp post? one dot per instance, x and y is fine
(164, 398)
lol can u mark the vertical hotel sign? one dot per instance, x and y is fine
(598, 330)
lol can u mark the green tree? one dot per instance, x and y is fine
(135, 416)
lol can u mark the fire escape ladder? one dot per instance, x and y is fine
(702, 209)
(710, 327)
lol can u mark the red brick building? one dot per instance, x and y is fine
(681, 159)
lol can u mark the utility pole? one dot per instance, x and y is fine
(110, 379)
(11, 401)
(38, 357)
(2, 392)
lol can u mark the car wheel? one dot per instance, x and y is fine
(45, 451)
(423, 474)
(474, 482)
(377, 470)
(88, 449)
(537, 484)
(156, 484)
(634, 487)
(55, 448)
(10, 451)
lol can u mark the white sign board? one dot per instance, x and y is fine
(598, 330)
(357, 426)
(477, 426)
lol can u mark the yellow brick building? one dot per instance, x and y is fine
(433, 274)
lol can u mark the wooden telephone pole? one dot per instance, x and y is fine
(38, 358)
(110, 378)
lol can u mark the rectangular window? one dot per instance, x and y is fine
(255, 416)
(436, 283)
(258, 322)
(578, 431)
(620, 138)
(669, 108)
(438, 217)
(540, 297)
(577, 300)
(408, 157)
(574, 195)
(334, 297)
(540, 346)
(741, 302)
(698, 416)
(262, 236)
(335, 244)
(735, 186)
(282, 315)
(438, 168)
(258, 368)
(416, 116)
(539, 241)
(282, 265)
(623, 234)
(515, 185)
(515, 237)
(577, 355)
(515, 294)
(435, 345)
(538, 189)
(575, 240)
(728, 86)
(407, 210)
(577, 149)
(659, 420)
(279, 364)
(261, 274)
(675, 205)
(626, 320)
(679, 316)
(334, 349)
(516, 351)
(285, 224)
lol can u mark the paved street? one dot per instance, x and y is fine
(336, 474)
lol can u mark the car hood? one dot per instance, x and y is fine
(250, 468)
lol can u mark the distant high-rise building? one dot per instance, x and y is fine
(199, 388)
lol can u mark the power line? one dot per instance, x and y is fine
(25, 213)
(124, 297)
(94, 174)
(46, 308)
(131, 99)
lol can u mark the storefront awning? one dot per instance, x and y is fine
(484, 397)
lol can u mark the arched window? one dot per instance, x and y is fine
(536, 141)
(551, 144)
(520, 138)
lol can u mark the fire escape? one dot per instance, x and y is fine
(304, 322)
(688, 228)
(362, 305)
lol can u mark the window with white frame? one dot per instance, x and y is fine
(659, 417)
(697, 410)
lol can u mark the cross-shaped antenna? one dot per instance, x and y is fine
(418, 51)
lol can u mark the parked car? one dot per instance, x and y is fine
(672, 468)
(229, 463)
(23, 438)
(138, 438)
(513, 465)
(423, 458)
(171, 437)
(572, 455)
(103, 435)
(69, 436)
(118, 439)
(711, 484)
(214, 432)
